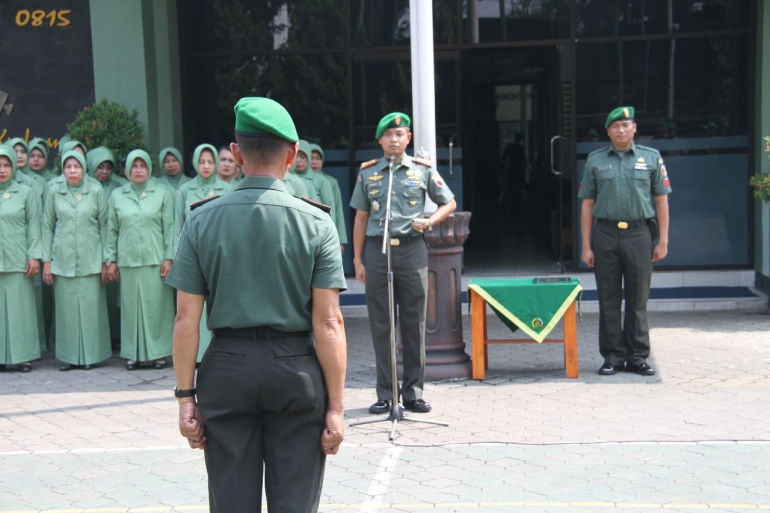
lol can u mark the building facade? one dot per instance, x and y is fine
(697, 72)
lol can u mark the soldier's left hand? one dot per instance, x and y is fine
(333, 433)
(660, 252)
(191, 423)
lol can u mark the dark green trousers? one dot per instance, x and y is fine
(410, 280)
(263, 402)
(623, 259)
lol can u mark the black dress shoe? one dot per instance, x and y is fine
(2, 367)
(417, 406)
(86, 367)
(25, 367)
(380, 407)
(66, 367)
(159, 364)
(643, 369)
(610, 370)
(131, 365)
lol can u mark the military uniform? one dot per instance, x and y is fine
(621, 183)
(413, 180)
(260, 388)
(20, 241)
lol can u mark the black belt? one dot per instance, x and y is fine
(259, 332)
(622, 225)
(397, 241)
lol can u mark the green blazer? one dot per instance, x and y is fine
(75, 229)
(19, 227)
(192, 192)
(140, 228)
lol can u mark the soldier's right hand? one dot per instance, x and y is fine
(360, 272)
(588, 256)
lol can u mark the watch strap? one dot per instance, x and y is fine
(190, 392)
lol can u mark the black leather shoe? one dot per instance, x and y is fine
(86, 367)
(380, 407)
(131, 365)
(643, 369)
(609, 370)
(66, 367)
(417, 406)
(159, 364)
(25, 367)
(2, 367)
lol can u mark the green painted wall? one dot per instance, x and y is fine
(136, 63)
(763, 128)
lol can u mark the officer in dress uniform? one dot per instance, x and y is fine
(267, 396)
(616, 188)
(413, 178)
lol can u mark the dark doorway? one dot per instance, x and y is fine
(514, 102)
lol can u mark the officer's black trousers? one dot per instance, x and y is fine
(623, 258)
(263, 401)
(410, 276)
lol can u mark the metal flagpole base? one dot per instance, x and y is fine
(396, 414)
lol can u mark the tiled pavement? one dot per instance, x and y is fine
(525, 439)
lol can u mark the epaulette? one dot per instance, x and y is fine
(647, 148)
(424, 162)
(606, 148)
(317, 204)
(202, 202)
(369, 163)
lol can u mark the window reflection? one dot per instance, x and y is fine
(489, 21)
(701, 98)
(387, 22)
(636, 17)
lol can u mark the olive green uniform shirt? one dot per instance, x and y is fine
(20, 230)
(140, 229)
(411, 181)
(621, 182)
(75, 229)
(257, 253)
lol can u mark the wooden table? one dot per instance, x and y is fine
(480, 341)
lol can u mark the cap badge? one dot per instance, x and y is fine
(397, 121)
(625, 113)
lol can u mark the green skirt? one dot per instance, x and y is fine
(82, 325)
(146, 314)
(19, 336)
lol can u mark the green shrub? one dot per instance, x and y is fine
(108, 124)
(761, 182)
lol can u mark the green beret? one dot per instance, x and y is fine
(263, 117)
(619, 114)
(392, 120)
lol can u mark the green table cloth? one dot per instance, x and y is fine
(521, 303)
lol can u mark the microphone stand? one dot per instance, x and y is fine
(396, 409)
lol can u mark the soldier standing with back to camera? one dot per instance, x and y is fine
(616, 188)
(269, 267)
(413, 178)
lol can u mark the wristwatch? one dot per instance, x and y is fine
(190, 392)
(108, 262)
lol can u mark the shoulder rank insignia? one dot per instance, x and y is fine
(202, 202)
(423, 161)
(317, 204)
(369, 163)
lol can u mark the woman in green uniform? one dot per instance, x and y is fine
(22, 164)
(173, 168)
(141, 239)
(38, 158)
(205, 185)
(20, 254)
(338, 214)
(101, 162)
(74, 232)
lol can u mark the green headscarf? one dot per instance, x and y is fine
(10, 154)
(97, 156)
(206, 182)
(12, 144)
(176, 153)
(70, 145)
(138, 154)
(41, 144)
(64, 140)
(74, 189)
(304, 147)
(315, 147)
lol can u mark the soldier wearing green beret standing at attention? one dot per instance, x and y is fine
(413, 179)
(617, 185)
(269, 399)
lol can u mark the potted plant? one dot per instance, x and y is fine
(761, 182)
